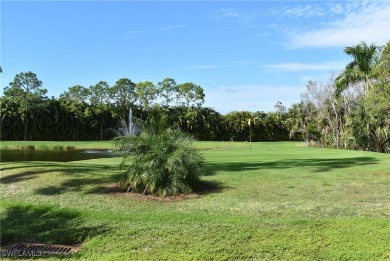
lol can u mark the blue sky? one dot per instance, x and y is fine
(246, 55)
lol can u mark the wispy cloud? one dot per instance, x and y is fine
(171, 27)
(232, 14)
(325, 66)
(370, 22)
(316, 9)
(251, 97)
(302, 11)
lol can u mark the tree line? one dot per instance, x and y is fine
(350, 110)
(95, 113)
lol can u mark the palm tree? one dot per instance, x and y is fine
(299, 117)
(361, 69)
(164, 163)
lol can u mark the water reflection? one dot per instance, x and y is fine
(52, 155)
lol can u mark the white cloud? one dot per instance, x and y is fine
(336, 8)
(232, 14)
(315, 9)
(251, 97)
(369, 22)
(304, 11)
(325, 66)
(227, 13)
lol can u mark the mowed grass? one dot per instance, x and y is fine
(274, 201)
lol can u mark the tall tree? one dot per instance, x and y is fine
(123, 96)
(189, 94)
(167, 89)
(361, 69)
(27, 92)
(377, 104)
(99, 99)
(383, 75)
(146, 93)
(280, 108)
(74, 101)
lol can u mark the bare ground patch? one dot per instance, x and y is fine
(204, 187)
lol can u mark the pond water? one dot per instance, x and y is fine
(52, 155)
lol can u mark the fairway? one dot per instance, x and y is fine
(266, 200)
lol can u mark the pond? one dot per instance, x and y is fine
(52, 155)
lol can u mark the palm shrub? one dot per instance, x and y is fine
(163, 163)
(371, 132)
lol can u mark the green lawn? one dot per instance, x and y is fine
(276, 201)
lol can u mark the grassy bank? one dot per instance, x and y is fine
(43, 145)
(272, 201)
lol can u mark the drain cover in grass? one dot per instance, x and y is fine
(34, 249)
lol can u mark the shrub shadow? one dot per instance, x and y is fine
(44, 224)
(205, 187)
(319, 165)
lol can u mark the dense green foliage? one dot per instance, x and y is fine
(351, 110)
(163, 163)
(280, 201)
(96, 113)
(25, 93)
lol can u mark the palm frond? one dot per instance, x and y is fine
(361, 69)
(163, 163)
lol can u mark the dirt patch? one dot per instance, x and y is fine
(115, 191)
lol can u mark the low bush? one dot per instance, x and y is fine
(25, 147)
(163, 163)
(43, 147)
(57, 147)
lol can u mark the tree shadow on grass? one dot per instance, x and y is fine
(12, 165)
(44, 224)
(319, 165)
(78, 176)
(22, 175)
(78, 185)
(25, 175)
